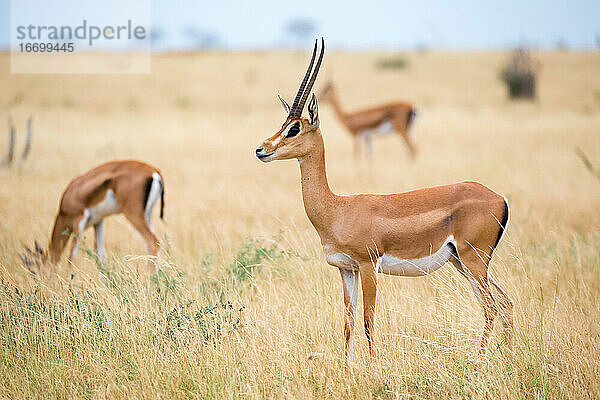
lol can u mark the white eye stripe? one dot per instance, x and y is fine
(276, 141)
(285, 133)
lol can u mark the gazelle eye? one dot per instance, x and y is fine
(294, 130)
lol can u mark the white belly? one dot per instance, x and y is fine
(106, 207)
(382, 129)
(391, 265)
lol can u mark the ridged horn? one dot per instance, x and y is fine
(303, 83)
(313, 78)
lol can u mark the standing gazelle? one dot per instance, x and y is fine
(363, 124)
(129, 187)
(405, 234)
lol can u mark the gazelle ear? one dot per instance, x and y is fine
(285, 105)
(313, 111)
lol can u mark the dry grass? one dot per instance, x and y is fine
(199, 117)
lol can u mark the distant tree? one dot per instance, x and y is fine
(157, 35)
(422, 47)
(561, 45)
(202, 39)
(302, 30)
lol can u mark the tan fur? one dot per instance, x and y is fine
(127, 179)
(361, 121)
(407, 225)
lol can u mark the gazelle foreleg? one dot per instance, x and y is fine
(368, 280)
(350, 285)
(78, 229)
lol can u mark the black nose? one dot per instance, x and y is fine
(259, 151)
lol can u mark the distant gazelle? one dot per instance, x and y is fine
(405, 234)
(129, 187)
(364, 124)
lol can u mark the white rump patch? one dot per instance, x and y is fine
(153, 196)
(391, 265)
(507, 222)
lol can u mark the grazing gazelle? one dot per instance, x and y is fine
(129, 187)
(405, 234)
(380, 120)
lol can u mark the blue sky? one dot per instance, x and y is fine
(460, 24)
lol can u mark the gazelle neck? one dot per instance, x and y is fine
(58, 238)
(337, 108)
(317, 196)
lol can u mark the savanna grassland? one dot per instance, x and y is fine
(244, 304)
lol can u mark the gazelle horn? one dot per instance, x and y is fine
(313, 78)
(301, 96)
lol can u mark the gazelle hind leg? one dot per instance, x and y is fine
(474, 268)
(412, 149)
(140, 224)
(350, 285)
(505, 310)
(141, 219)
(403, 130)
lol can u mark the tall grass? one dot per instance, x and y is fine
(121, 336)
(238, 310)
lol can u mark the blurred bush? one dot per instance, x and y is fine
(398, 62)
(519, 75)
